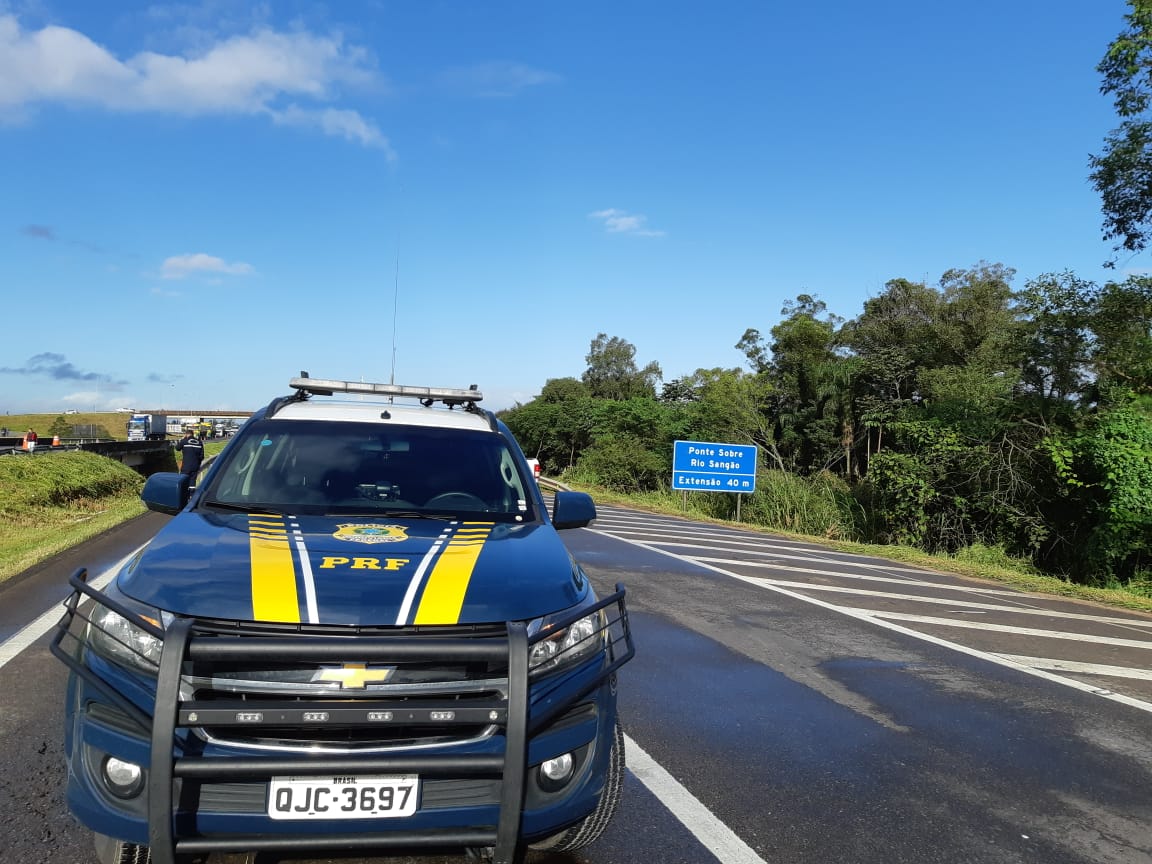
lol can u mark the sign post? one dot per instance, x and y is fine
(704, 466)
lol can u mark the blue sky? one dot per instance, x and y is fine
(199, 200)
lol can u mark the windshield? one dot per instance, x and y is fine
(299, 466)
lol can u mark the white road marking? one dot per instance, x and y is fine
(1002, 628)
(1083, 668)
(896, 628)
(716, 837)
(757, 547)
(999, 592)
(970, 604)
(32, 632)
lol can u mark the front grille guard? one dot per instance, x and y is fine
(182, 641)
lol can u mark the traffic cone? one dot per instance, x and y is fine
(24, 445)
(55, 440)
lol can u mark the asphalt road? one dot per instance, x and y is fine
(786, 704)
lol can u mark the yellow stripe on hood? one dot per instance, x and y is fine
(448, 582)
(273, 574)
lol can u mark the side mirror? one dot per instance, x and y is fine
(573, 510)
(166, 492)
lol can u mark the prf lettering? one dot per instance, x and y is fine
(331, 562)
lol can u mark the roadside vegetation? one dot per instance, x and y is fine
(52, 502)
(49, 503)
(1002, 428)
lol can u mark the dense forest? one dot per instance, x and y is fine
(949, 416)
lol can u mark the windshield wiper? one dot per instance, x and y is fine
(407, 514)
(245, 508)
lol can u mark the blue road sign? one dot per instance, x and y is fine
(710, 467)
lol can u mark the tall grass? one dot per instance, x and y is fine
(819, 506)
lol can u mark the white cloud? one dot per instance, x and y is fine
(620, 222)
(496, 80)
(338, 122)
(248, 74)
(179, 266)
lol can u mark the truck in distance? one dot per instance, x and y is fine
(147, 427)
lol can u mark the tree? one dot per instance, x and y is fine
(612, 371)
(1123, 173)
(563, 390)
(895, 338)
(1107, 471)
(976, 323)
(678, 390)
(1122, 334)
(1054, 312)
(631, 443)
(732, 406)
(555, 426)
(836, 401)
(803, 349)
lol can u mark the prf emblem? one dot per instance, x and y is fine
(371, 533)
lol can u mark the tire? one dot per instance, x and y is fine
(112, 851)
(592, 826)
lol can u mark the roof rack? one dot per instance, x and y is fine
(427, 395)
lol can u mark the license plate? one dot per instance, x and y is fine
(343, 797)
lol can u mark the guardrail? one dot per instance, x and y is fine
(551, 485)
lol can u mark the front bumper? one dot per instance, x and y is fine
(207, 792)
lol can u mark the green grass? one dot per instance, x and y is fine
(50, 503)
(988, 564)
(115, 422)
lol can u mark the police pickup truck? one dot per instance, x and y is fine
(360, 630)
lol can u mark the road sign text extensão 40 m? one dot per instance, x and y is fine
(706, 466)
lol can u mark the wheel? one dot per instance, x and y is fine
(453, 500)
(112, 851)
(592, 826)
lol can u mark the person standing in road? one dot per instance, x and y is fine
(193, 449)
(30, 440)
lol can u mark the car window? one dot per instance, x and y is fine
(342, 467)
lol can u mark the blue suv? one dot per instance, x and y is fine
(360, 630)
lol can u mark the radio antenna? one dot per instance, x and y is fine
(396, 278)
(395, 303)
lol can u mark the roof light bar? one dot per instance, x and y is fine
(326, 387)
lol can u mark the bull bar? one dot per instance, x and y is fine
(186, 640)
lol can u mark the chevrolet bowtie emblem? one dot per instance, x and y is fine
(353, 676)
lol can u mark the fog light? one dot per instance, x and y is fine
(123, 779)
(554, 773)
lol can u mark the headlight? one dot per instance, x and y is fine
(563, 646)
(113, 636)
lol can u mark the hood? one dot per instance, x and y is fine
(353, 570)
